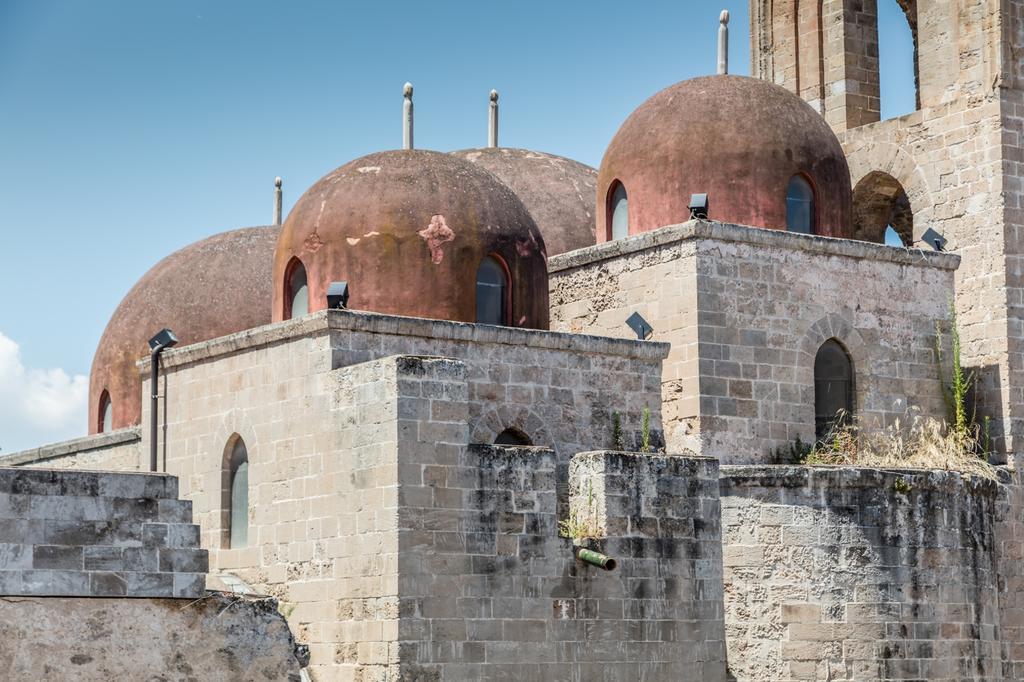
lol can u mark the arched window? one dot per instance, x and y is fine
(105, 418)
(512, 436)
(492, 292)
(881, 211)
(618, 212)
(235, 495)
(800, 205)
(897, 58)
(296, 293)
(833, 387)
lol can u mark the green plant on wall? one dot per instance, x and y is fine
(956, 389)
(583, 526)
(617, 431)
(645, 431)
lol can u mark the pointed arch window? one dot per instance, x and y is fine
(492, 292)
(800, 208)
(618, 212)
(105, 418)
(235, 495)
(833, 387)
(296, 295)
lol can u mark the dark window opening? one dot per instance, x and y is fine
(296, 291)
(881, 211)
(512, 436)
(106, 414)
(833, 387)
(800, 206)
(235, 496)
(618, 212)
(492, 292)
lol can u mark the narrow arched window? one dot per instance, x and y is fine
(296, 298)
(512, 436)
(105, 418)
(800, 205)
(492, 292)
(235, 495)
(618, 212)
(833, 387)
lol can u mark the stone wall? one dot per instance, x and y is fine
(85, 533)
(857, 574)
(745, 311)
(220, 638)
(114, 451)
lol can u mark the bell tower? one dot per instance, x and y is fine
(955, 164)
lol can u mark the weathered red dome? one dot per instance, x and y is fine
(217, 286)
(408, 231)
(558, 192)
(739, 140)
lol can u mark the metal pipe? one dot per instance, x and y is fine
(593, 558)
(154, 374)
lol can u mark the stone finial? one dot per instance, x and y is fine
(492, 121)
(278, 200)
(723, 43)
(407, 118)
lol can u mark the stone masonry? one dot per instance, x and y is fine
(860, 574)
(114, 451)
(745, 310)
(97, 534)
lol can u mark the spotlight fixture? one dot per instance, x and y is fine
(934, 239)
(699, 206)
(337, 295)
(163, 340)
(640, 326)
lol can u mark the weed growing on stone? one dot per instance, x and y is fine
(645, 431)
(583, 526)
(617, 431)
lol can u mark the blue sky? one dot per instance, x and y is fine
(131, 129)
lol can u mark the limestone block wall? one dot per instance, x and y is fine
(114, 451)
(220, 638)
(99, 534)
(745, 310)
(858, 574)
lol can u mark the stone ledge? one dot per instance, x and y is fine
(327, 321)
(739, 476)
(75, 446)
(700, 229)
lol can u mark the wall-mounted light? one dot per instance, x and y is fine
(640, 326)
(699, 206)
(337, 295)
(163, 340)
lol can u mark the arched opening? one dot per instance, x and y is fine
(493, 294)
(235, 495)
(105, 416)
(512, 436)
(833, 387)
(881, 209)
(296, 290)
(617, 212)
(800, 205)
(897, 58)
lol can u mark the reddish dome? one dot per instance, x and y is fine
(558, 192)
(408, 231)
(217, 286)
(739, 140)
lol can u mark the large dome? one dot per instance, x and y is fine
(217, 286)
(409, 230)
(558, 192)
(740, 140)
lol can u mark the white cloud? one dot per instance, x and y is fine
(38, 406)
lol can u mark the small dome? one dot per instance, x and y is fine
(217, 286)
(558, 192)
(741, 141)
(409, 231)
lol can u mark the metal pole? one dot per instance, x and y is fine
(154, 373)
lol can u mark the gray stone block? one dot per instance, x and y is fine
(189, 585)
(15, 556)
(184, 560)
(55, 583)
(175, 511)
(104, 584)
(144, 584)
(57, 557)
(103, 558)
(10, 582)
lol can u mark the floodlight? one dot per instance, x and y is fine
(640, 326)
(934, 239)
(699, 206)
(337, 295)
(164, 338)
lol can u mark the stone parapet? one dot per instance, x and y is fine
(99, 534)
(117, 450)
